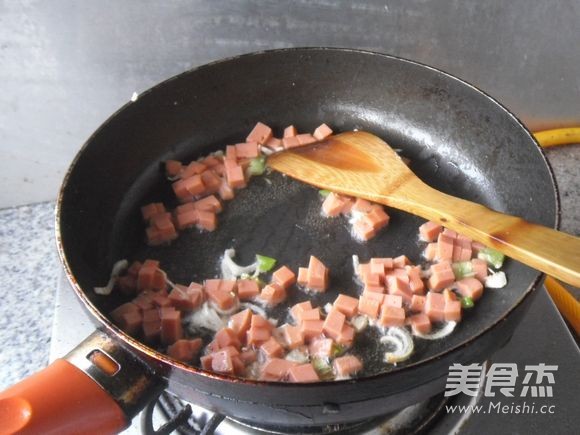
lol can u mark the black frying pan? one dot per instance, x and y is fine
(459, 140)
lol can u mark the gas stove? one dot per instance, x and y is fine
(542, 337)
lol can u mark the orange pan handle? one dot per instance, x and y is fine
(96, 389)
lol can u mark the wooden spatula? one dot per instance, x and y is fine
(362, 165)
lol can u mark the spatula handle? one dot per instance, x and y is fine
(553, 252)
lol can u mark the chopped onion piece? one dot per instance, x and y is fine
(447, 329)
(255, 309)
(496, 280)
(231, 270)
(118, 267)
(403, 342)
(206, 317)
(355, 264)
(297, 356)
(327, 307)
(360, 323)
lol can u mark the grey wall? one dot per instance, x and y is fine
(66, 65)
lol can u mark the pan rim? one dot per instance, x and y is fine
(162, 358)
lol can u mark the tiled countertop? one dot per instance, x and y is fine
(29, 270)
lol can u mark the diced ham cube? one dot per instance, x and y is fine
(386, 262)
(185, 350)
(333, 323)
(150, 277)
(271, 348)
(377, 217)
(152, 330)
(231, 153)
(211, 161)
(206, 220)
(347, 305)
(317, 275)
(302, 278)
(430, 252)
(206, 361)
(131, 322)
(234, 175)
(470, 287)
(292, 336)
(209, 203)
(194, 185)
(392, 316)
(369, 306)
(171, 329)
(290, 131)
(347, 365)
(225, 191)
(399, 285)
(274, 143)
(273, 294)
(435, 306)
(393, 301)
(417, 303)
(291, 142)
(223, 299)
(441, 276)
(346, 336)
(303, 373)
(363, 229)
(479, 268)
(461, 254)
(444, 247)
(212, 180)
(297, 310)
(248, 289)
(227, 337)
(429, 231)
(276, 369)
(376, 296)
(305, 139)
(173, 168)
(240, 323)
(186, 298)
(452, 311)
(284, 277)
(370, 278)
(261, 133)
(416, 284)
(181, 192)
(322, 132)
(362, 205)
(450, 233)
(261, 322)
(257, 335)
(194, 168)
(311, 329)
(153, 209)
(321, 347)
(420, 323)
(401, 261)
(333, 204)
(221, 362)
(186, 219)
(248, 150)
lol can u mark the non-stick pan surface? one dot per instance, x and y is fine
(458, 139)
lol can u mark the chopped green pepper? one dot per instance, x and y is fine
(467, 302)
(265, 264)
(493, 257)
(323, 369)
(463, 269)
(324, 193)
(337, 350)
(257, 166)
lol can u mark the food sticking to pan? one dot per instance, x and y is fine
(227, 324)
